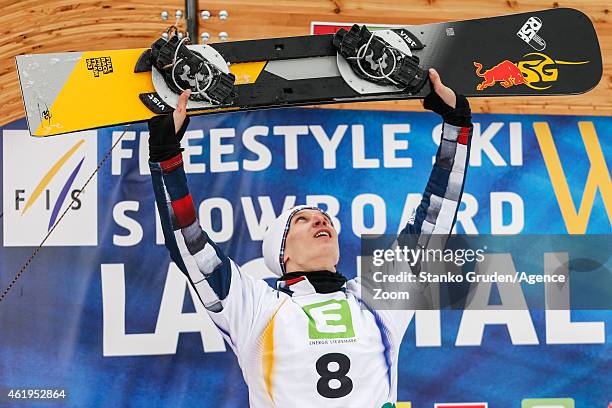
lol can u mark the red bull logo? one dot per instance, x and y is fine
(533, 72)
(506, 73)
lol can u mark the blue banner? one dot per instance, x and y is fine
(101, 313)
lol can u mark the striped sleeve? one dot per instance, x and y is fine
(437, 212)
(237, 303)
(201, 260)
(435, 216)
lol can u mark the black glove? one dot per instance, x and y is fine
(459, 116)
(164, 144)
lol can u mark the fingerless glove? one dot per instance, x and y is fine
(163, 142)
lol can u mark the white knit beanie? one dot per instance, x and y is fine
(273, 247)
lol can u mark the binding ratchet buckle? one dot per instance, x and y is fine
(373, 59)
(183, 69)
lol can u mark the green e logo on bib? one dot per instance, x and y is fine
(329, 320)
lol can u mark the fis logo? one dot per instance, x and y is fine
(41, 177)
(536, 71)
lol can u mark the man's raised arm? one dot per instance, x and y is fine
(234, 300)
(435, 215)
(437, 212)
(204, 264)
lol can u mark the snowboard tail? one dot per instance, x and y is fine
(549, 52)
(94, 89)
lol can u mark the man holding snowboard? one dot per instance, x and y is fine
(312, 341)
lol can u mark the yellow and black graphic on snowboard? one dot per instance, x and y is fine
(68, 92)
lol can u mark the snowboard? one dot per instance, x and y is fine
(548, 52)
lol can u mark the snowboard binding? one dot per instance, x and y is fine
(374, 60)
(184, 69)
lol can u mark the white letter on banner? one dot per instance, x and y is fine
(264, 156)
(380, 219)
(481, 142)
(328, 146)
(218, 150)
(559, 327)
(227, 218)
(135, 233)
(197, 151)
(516, 144)
(291, 144)
(159, 232)
(119, 153)
(428, 330)
(170, 323)
(257, 227)
(143, 153)
(332, 207)
(358, 142)
(391, 145)
(517, 219)
(465, 216)
(114, 340)
(512, 312)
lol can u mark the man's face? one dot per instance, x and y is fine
(312, 243)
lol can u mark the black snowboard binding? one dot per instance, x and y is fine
(184, 69)
(375, 60)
